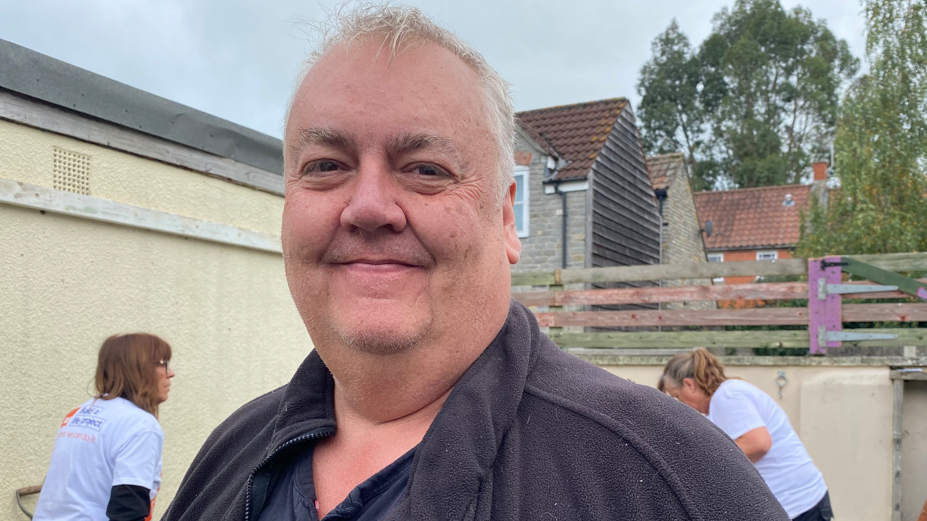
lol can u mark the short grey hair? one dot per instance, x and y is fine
(403, 25)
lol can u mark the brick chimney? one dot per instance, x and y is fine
(820, 171)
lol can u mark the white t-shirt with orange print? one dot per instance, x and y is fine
(101, 444)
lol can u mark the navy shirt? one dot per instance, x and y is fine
(293, 496)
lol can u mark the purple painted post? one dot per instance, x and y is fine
(823, 309)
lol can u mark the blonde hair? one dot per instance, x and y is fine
(699, 365)
(126, 368)
(401, 26)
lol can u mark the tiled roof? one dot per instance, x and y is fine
(664, 169)
(577, 132)
(538, 138)
(752, 217)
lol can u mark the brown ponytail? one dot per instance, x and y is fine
(699, 365)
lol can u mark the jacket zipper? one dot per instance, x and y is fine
(321, 432)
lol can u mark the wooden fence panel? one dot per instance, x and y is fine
(730, 316)
(728, 292)
(732, 339)
(890, 262)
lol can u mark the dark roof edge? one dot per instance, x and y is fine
(621, 99)
(52, 81)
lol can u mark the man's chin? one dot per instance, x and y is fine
(381, 341)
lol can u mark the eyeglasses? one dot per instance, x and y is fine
(166, 365)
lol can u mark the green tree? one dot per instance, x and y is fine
(763, 89)
(881, 144)
(672, 118)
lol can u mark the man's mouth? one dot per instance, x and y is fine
(381, 262)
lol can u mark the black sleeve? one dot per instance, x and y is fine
(128, 503)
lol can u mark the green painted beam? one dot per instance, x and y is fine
(866, 271)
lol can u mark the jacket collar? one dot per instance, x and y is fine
(308, 402)
(458, 451)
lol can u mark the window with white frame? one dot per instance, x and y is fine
(767, 255)
(716, 257)
(521, 200)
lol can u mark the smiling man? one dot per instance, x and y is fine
(430, 394)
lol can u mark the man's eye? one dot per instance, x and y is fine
(321, 166)
(428, 170)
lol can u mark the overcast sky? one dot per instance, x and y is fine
(236, 59)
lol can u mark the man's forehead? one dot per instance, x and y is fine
(368, 65)
(424, 99)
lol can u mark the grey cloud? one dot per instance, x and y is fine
(237, 58)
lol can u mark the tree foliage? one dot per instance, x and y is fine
(673, 117)
(881, 144)
(754, 103)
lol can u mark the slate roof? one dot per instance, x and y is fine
(664, 169)
(577, 132)
(752, 218)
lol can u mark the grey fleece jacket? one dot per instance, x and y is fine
(529, 432)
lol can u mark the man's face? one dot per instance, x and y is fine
(394, 233)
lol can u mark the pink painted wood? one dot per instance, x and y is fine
(825, 312)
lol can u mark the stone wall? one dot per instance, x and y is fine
(541, 249)
(682, 238)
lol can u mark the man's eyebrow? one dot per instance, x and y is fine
(324, 136)
(405, 143)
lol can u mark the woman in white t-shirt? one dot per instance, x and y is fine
(757, 425)
(106, 463)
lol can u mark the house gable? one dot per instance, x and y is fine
(615, 223)
(624, 221)
(682, 239)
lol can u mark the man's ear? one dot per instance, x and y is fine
(512, 243)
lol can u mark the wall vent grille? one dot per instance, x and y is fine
(71, 171)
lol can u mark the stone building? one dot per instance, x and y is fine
(584, 199)
(681, 240)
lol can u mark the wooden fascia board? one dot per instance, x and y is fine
(81, 206)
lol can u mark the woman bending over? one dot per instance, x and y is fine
(759, 427)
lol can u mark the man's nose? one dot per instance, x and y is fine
(373, 202)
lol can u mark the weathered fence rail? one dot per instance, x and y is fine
(735, 312)
(732, 292)
(759, 316)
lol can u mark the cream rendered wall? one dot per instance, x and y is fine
(914, 450)
(843, 415)
(26, 156)
(68, 283)
(852, 434)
